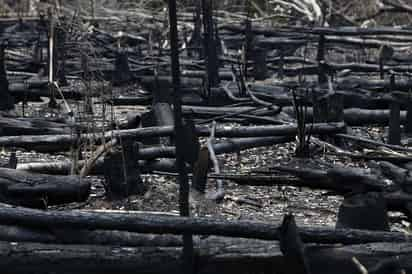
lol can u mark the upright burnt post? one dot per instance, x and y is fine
(86, 77)
(260, 69)
(121, 72)
(37, 55)
(195, 45)
(7, 101)
(394, 136)
(281, 67)
(51, 50)
(385, 54)
(248, 47)
(322, 73)
(292, 247)
(327, 107)
(408, 124)
(121, 170)
(210, 46)
(52, 60)
(179, 134)
(218, 43)
(61, 42)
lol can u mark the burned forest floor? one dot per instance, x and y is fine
(231, 137)
(311, 207)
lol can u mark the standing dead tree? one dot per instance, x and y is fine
(179, 134)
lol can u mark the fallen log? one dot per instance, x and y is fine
(353, 67)
(130, 100)
(11, 233)
(88, 259)
(366, 157)
(43, 143)
(53, 168)
(264, 180)
(212, 256)
(359, 83)
(300, 31)
(37, 190)
(205, 112)
(353, 97)
(192, 98)
(397, 200)
(280, 130)
(377, 258)
(340, 180)
(31, 126)
(227, 146)
(357, 116)
(50, 143)
(371, 143)
(156, 224)
(151, 82)
(352, 180)
(64, 167)
(28, 91)
(244, 119)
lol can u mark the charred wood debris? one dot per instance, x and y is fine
(210, 82)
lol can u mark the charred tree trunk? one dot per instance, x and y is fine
(184, 206)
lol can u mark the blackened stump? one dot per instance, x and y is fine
(121, 171)
(200, 170)
(190, 143)
(394, 137)
(363, 211)
(260, 70)
(328, 108)
(121, 74)
(292, 247)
